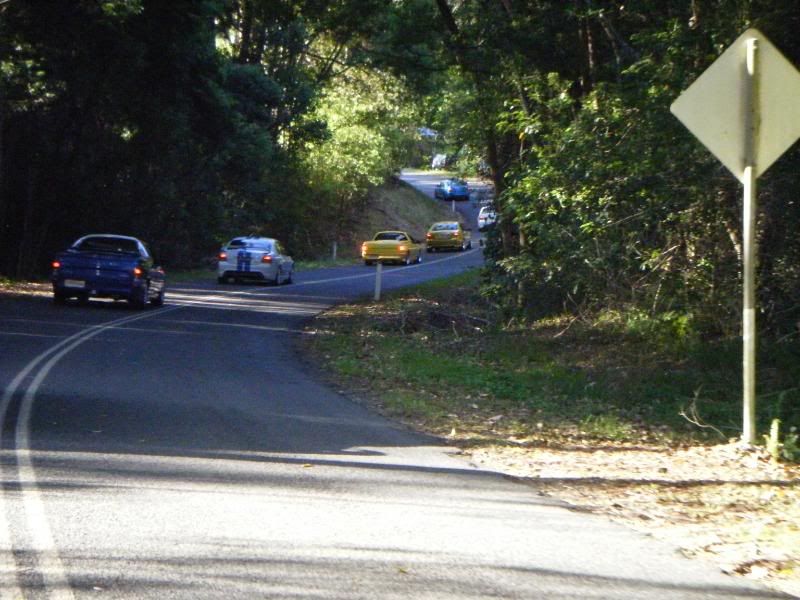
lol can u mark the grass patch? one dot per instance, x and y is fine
(438, 357)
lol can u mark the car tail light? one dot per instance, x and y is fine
(402, 248)
(454, 234)
(138, 272)
(429, 236)
(222, 256)
(56, 264)
(266, 258)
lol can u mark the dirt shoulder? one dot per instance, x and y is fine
(726, 504)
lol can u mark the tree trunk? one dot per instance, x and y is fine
(247, 32)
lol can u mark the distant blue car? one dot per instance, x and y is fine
(452, 189)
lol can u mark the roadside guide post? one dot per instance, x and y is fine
(378, 276)
(745, 108)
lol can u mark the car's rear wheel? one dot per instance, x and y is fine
(159, 299)
(289, 277)
(59, 297)
(369, 263)
(140, 298)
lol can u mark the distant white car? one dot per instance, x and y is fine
(254, 258)
(439, 161)
(486, 218)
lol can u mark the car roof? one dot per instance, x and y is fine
(108, 235)
(251, 239)
(445, 223)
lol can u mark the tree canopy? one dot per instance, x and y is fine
(606, 199)
(185, 122)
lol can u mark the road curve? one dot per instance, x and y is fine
(189, 452)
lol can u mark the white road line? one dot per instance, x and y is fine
(235, 326)
(48, 560)
(35, 335)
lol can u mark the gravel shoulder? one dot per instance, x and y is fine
(726, 504)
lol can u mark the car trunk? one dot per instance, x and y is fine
(444, 236)
(386, 248)
(90, 269)
(245, 261)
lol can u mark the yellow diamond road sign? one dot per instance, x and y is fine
(715, 107)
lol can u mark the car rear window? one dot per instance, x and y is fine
(390, 235)
(250, 244)
(445, 227)
(108, 244)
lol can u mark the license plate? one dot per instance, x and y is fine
(74, 283)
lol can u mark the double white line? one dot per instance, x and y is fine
(43, 547)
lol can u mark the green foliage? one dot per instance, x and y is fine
(616, 204)
(213, 118)
(668, 330)
(609, 427)
(194, 126)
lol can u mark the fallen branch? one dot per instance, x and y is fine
(694, 418)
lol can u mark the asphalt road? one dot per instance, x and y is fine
(189, 452)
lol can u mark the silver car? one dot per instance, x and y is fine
(256, 259)
(486, 218)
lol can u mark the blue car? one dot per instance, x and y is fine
(108, 266)
(452, 189)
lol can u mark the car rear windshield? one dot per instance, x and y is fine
(390, 235)
(250, 245)
(445, 227)
(108, 244)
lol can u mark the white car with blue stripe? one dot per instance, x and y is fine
(256, 259)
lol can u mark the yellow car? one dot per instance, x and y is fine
(448, 234)
(391, 246)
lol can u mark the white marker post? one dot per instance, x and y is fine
(378, 276)
(749, 258)
(744, 108)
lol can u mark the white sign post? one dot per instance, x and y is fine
(378, 277)
(745, 108)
